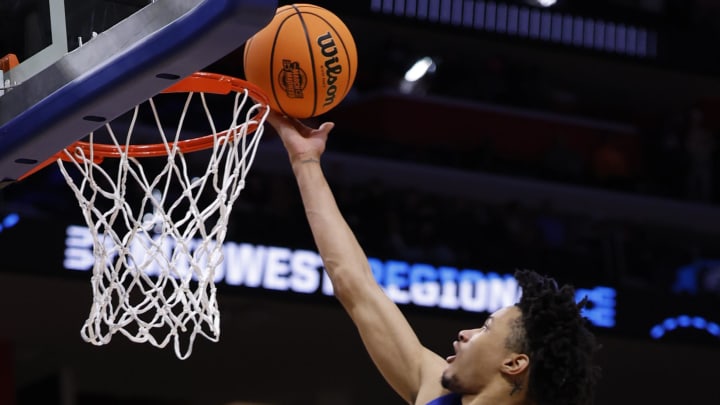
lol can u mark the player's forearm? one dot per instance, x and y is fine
(343, 258)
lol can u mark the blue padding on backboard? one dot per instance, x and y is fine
(203, 35)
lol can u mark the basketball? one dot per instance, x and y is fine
(305, 60)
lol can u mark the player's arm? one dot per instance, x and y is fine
(387, 336)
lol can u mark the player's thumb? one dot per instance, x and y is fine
(326, 127)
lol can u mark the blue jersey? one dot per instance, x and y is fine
(449, 399)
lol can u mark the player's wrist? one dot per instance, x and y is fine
(302, 162)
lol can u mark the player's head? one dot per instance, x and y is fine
(554, 334)
(539, 348)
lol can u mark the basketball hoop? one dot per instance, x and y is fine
(158, 227)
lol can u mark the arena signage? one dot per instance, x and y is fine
(301, 271)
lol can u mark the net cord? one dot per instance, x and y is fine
(161, 255)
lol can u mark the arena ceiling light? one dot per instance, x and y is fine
(543, 3)
(417, 74)
(420, 68)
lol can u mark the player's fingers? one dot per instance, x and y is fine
(326, 127)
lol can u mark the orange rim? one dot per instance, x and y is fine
(199, 82)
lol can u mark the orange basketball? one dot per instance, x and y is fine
(305, 59)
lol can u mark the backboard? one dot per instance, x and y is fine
(82, 63)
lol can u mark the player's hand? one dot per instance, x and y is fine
(301, 141)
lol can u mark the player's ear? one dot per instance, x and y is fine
(516, 363)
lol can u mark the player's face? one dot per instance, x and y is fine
(479, 353)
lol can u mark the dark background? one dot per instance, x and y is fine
(517, 152)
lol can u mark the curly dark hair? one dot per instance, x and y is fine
(556, 337)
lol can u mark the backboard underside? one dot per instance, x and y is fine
(143, 54)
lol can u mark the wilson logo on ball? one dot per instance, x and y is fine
(333, 68)
(292, 79)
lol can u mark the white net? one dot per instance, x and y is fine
(158, 228)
